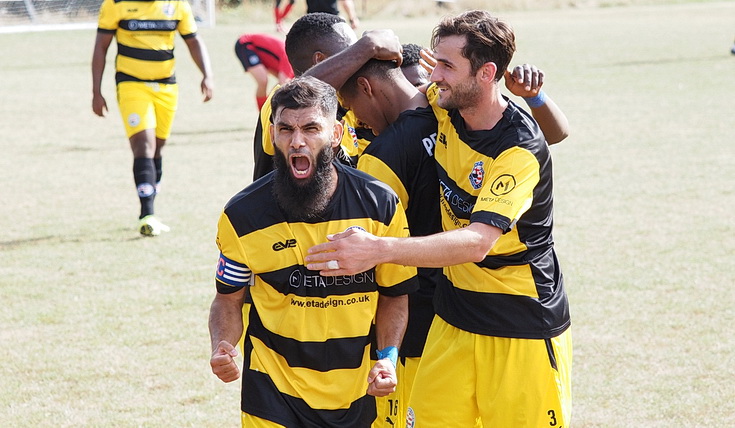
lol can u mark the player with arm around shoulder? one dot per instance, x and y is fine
(502, 301)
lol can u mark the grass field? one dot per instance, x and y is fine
(103, 328)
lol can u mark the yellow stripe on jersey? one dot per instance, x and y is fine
(318, 389)
(514, 280)
(145, 32)
(378, 169)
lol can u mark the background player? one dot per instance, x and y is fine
(260, 55)
(146, 84)
(280, 14)
(330, 6)
(298, 317)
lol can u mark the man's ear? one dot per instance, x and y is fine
(338, 130)
(487, 72)
(364, 87)
(317, 57)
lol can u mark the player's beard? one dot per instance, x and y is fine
(303, 199)
(463, 95)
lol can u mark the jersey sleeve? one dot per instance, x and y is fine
(265, 123)
(396, 280)
(378, 169)
(108, 19)
(187, 24)
(232, 272)
(508, 191)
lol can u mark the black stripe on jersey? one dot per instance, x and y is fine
(145, 54)
(122, 77)
(149, 24)
(259, 50)
(332, 354)
(299, 281)
(106, 31)
(512, 315)
(261, 398)
(460, 202)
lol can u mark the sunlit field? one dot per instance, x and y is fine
(101, 327)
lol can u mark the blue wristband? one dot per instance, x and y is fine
(536, 101)
(390, 352)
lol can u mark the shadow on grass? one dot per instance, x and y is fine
(114, 236)
(680, 60)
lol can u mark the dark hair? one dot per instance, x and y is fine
(384, 70)
(305, 92)
(411, 54)
(488, 39)
(311, 33)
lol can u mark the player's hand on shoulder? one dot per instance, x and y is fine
(525, 80)
(223, 362)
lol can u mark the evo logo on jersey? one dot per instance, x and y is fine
(288, 243)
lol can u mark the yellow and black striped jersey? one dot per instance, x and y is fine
(308, 340)
(501, 177)
(402, 156)
(145, 31)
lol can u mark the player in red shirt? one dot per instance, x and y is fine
(260, 55)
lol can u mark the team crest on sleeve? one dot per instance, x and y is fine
(477, 175)
(232, 273)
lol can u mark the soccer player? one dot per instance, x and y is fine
(330, 6)
(281, 13)
(312, 38)
(307, 348)
(260, 55)
(147, 92)
(401, 155)
(501, 338)
(411, 65)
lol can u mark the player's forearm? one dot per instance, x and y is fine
(466, 245)
(99, 59)
(552, 121)
(391, 320)
(349, 7)
(337, 69)
(225, 321)
(199, 54)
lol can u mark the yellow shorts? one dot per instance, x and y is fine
(465, 379)
(146, 105)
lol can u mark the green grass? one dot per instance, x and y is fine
(103, 328)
